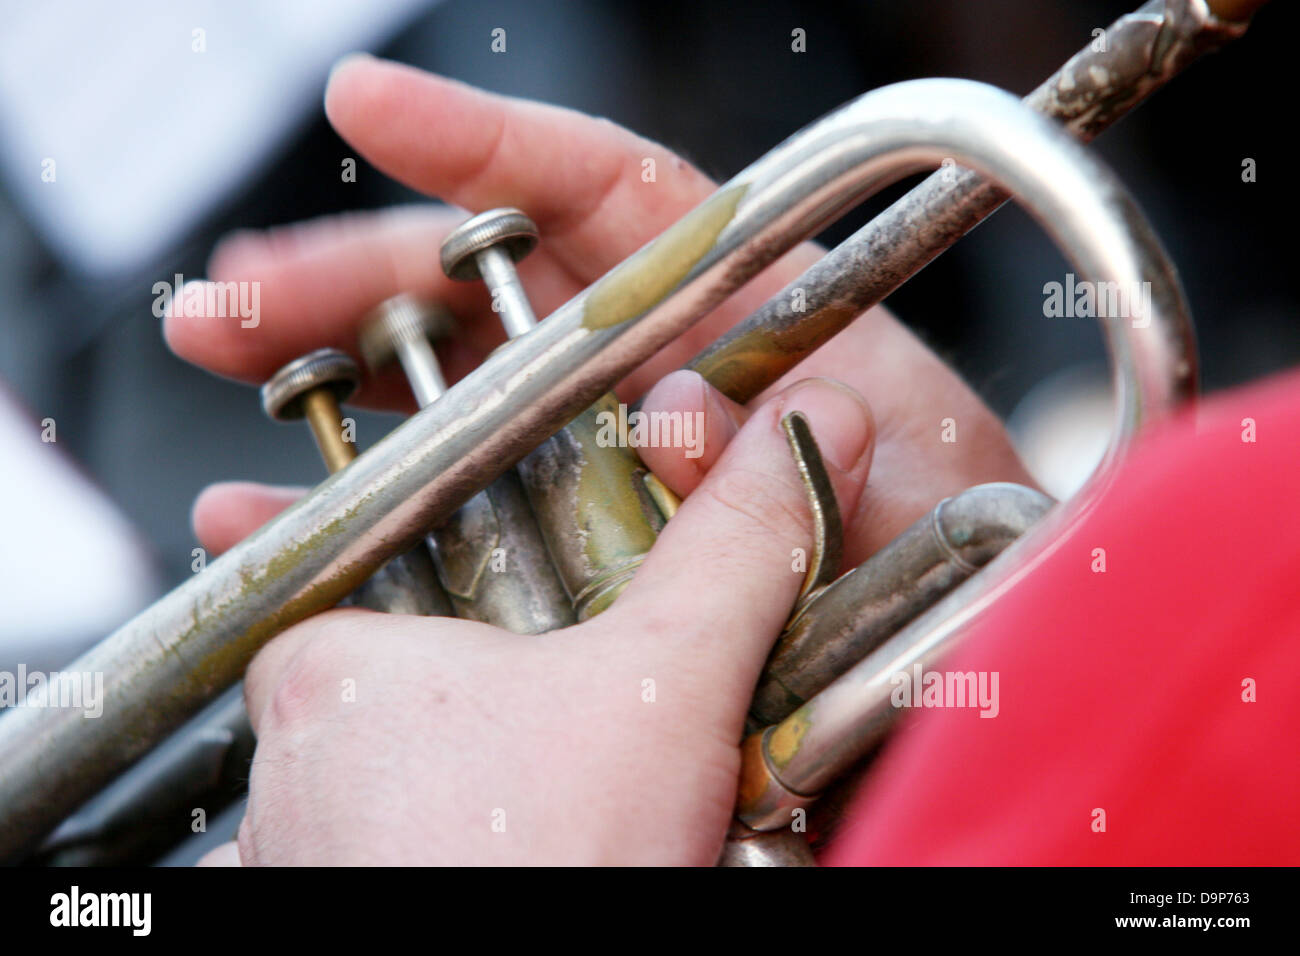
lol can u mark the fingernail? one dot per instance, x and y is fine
(840, 419)
(718, 422)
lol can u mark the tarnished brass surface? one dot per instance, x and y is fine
(1143, 51)
(408, 584)
(828, 527)
(820, 738)
(665, 498)
(490, 556)
(763, 801)
(846, 620)
(494, 564)
(661, 266)
(323, 415)
(597, 507)
(160, 667)
(595, 510)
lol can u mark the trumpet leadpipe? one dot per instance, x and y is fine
(1140, 52)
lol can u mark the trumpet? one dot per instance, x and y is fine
(823, 701)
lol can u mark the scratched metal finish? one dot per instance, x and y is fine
(494, 564)
(1142, 52)
(407, 584)
(862, 608)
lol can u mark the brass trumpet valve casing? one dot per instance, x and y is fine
(595, 508)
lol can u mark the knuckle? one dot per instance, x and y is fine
(303, 687)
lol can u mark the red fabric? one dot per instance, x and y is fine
(1123, 690)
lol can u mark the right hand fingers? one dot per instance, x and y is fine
(580, 178)
(229, 511)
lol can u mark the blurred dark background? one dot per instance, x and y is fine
(718, 82)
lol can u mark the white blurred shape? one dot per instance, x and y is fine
(71, 568)
(1062, 426)
(148, 135)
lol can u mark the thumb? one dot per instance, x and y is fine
(723, 577)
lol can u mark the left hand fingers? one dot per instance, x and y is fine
(913, 466)
(935, 438)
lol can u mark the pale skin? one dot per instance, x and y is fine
(455, 727)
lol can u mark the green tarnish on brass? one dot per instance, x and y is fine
(828, 528)
(616, 518)
(758, 351)
(644, 280)
(733, 373)
(597, 596)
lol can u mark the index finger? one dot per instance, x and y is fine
(597, 191)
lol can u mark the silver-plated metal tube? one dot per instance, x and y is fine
(510, 301)
(798, 757)
(205, 763)
(161, 666)
(862, 608)
(804, 753)
(1153, 372)
(1141, 52)
(420, 364)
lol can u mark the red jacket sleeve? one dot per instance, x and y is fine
(1163, 691)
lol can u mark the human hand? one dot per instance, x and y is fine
(402, 740)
